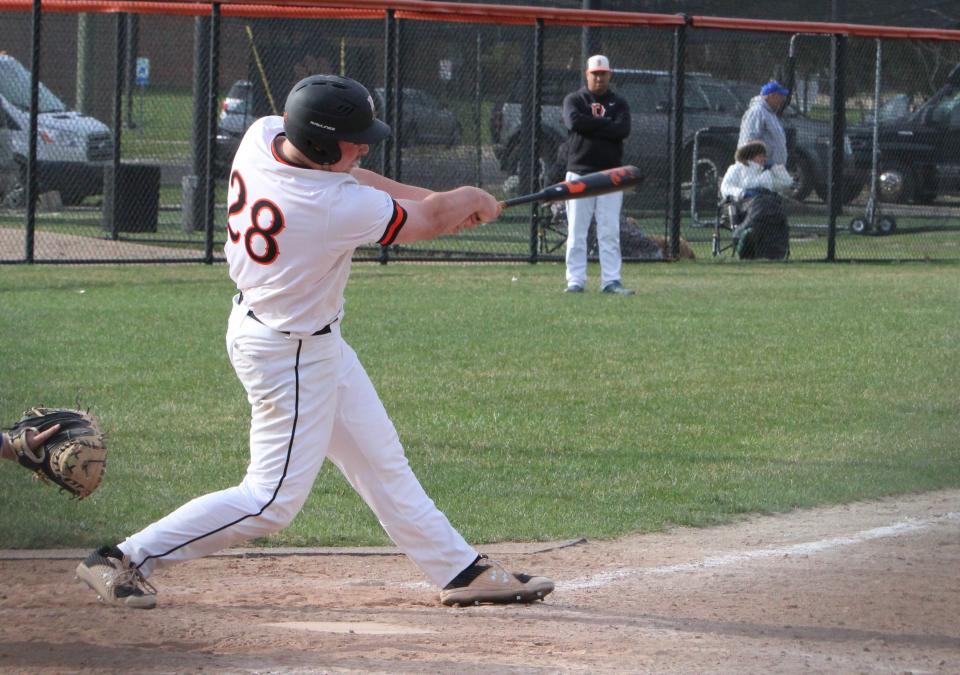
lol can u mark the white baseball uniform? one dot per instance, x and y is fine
(606, 210)
(291, 236)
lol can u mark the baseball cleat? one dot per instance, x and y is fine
(487, 582)
(616, 288)
(114, 581)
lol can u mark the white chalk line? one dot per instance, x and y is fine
(803, 548)
(712, 562)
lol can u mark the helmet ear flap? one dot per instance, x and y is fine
(324, 152)
(320, 150)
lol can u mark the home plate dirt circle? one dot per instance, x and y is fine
(353, 627)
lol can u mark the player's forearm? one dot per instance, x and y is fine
(391, 187)
(442, 213)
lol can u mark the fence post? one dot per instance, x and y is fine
(389, 38)
(676, 133)
(133, 39)
(477, 110)
(114, 176)
(193, 209)
(398, 101)
(389, 74)
(537, 91)
(213, 86)
(838, 67)
(33, 182)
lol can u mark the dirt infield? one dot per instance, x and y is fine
(867, 587)
(57, 246)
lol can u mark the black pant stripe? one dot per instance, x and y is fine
(286, 464)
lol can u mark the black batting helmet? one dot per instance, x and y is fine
(323, 109)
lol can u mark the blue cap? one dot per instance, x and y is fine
(774, 87)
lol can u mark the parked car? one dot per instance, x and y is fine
(72, 148)
(236, 115)
(425, 120)
(919, 155)
(709, 103)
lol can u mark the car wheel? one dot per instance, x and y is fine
(895, 183)
(14, 189)
(886, 225)
(71, 197)
(802, 174)
(859, 226)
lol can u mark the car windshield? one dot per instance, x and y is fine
(15, 87)
(648, 96)
(239, 89)
(947, 109)
(721, 98)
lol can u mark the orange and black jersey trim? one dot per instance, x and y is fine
(279, 155)
(397, 221)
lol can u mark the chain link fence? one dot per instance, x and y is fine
(132, 153)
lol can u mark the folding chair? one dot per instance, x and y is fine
(729, 215)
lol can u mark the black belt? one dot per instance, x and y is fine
(323, 331)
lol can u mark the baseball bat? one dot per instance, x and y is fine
(589, 185)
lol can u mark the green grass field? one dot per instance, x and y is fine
(163, 125)
(528, 413)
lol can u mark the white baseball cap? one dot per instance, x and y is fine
(598, 62)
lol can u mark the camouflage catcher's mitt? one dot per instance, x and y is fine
(74, 457)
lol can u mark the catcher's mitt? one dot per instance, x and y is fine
(74, 457)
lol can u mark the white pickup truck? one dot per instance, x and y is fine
(72, 148)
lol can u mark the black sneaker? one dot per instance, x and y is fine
(573, 288)
(114, 581)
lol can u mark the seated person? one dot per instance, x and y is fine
(754, 190)
(750, 173)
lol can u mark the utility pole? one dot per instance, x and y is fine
(838, 11)
(589, 36)
(87, 25)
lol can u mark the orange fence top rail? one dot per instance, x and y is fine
(852, 29)
(194, 8)
(471, 13)
(491, 13)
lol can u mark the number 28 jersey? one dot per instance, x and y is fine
(292, 231)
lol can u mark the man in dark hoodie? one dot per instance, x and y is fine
(597, 120)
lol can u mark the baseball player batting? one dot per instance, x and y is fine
(298, 207)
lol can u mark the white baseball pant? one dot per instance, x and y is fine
(310, 398)
(606, 208)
